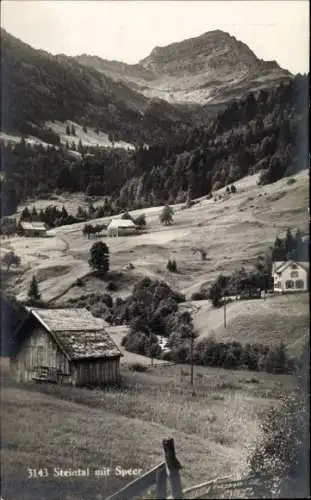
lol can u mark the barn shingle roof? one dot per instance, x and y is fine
(68, 319)
(78, 332)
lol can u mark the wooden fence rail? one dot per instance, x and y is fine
(169, 471)
(158, 476)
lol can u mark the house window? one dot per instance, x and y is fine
(278, 284)
(294, 274)
(299, 284)
(289, 284)
(294, 266)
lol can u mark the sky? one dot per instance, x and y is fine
(128, 30)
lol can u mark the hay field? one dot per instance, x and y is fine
(277, 319)
(46, 426)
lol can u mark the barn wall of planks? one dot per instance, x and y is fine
(38, 350)
(96, 371)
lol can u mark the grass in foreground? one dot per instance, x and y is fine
(51, 426)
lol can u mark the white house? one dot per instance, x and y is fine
(121, 227)
(290, 276)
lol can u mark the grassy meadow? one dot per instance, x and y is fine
(234, 230)
(283, 318)
(214, 428)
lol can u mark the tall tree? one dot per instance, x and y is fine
(166, 216)
(99, 257)
(11, 259)
(33, 291)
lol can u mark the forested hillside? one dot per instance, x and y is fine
(266, 132)
(38, 87)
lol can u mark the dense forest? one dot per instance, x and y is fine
(264, 133)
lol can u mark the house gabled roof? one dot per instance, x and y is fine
(279, 267)
(78, 334)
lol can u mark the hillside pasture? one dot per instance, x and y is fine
(283, 318)
(234, 231)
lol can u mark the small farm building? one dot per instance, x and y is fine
(290, 276)
(121, 227)
(64, 346)
(34, 228)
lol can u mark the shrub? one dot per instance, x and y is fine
(172, 266)
(112, 286)
(138, 367)
(11, 259)
(166, 216)
(283, 448)
(233, 189)
(126, 216)
(202, 294)
(108, 300)
(100, 310)
(33, 291)
(140, 221)
(291, 180)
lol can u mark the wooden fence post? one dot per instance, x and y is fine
(172, 468)
(161, 484)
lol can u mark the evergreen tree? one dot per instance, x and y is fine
(73, 130)
(25, 215)
(289, 244)
(80, 147)
(33, 291)
(166, 216)
(64, 213)
(299, 250)
(67, 129)
(34, 214)
(99, 257)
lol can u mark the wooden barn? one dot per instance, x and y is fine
(64, 346)
(34, 228)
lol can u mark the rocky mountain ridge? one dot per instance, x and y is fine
(213, 68)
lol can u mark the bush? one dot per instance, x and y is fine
(112, 286)
(201, 295)
(166, 216)
(284, 446)
(138, 367)
(290, 181)
(140, 221)
(108, 300)
(233, 189)
(172, 266)
(11, 259)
